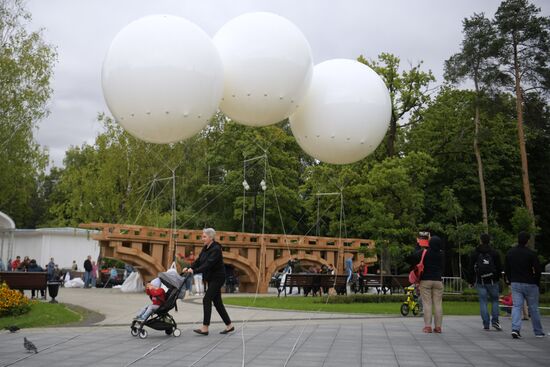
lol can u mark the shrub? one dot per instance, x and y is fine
(12, 302)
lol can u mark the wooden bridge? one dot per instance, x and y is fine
(255, 256)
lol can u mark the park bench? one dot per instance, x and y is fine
(25, 281)
(395, 283)
(313, 282)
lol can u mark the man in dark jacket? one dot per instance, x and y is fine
(88, 271)
(485, 269)
(522, 269)
(35, 268)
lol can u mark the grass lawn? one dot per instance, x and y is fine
(309, 304)
(42, 314)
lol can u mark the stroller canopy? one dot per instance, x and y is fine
(172, 279)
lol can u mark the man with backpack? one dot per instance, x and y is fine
(485, 270)
(523, 273)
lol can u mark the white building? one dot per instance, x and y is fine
(63, 244)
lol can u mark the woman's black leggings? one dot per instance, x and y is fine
(214, 295)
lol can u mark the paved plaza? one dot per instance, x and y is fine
(268, 338)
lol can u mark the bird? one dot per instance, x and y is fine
(12, 328)
(29, 346)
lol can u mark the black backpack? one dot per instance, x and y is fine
(485, 266)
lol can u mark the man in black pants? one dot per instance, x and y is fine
(210, 264)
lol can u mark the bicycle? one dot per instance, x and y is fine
(411, 303)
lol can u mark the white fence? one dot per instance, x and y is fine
(452, 285)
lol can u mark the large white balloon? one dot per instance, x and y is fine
(162, 78)
(345, 114)
(267, 68)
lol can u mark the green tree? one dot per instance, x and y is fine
(383, 201)
(446, 125)
(537, 121)
(477, 62)
(525, 57)
(26, 63)
(409, 92)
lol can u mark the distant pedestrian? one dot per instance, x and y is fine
(24, 265)
(2, 267)
(50, 269)
(74, 267)
(95, 269)
(88, 271)
(484, 273)
(349, 272)
(15, 263)
(35, 268)
(523, 272)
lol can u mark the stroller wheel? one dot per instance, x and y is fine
(143, 334)
(177, 332)
(404, 309)
(168, 331)
(134, 331)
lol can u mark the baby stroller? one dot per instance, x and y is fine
(161, 319)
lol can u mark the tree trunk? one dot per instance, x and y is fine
(480, 167)
(390, 148)
(521, 137)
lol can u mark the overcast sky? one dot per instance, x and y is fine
(414, 30)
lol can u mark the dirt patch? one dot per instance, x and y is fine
(89, 317)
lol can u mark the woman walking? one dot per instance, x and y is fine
(210, 264)
(431, 284)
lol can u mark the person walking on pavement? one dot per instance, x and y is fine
(523, 272)
(485, 269)
(348, 265)
(210, 264)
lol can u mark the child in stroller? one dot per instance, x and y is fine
(159, 318)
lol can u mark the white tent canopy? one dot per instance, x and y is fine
(6, 222)
(7, 227)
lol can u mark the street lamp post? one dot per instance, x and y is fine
(255, 193)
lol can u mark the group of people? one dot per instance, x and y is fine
(31, 266)
(522, 272)
(357, 278)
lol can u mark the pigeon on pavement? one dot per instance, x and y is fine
(12, 328)
(29, 346)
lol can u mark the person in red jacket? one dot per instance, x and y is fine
(158, 297)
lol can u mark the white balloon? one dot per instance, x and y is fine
(162, 78)
(267, 68)
(345, 114)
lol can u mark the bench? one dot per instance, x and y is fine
(313, 282)
(394, 283)
(25, 281)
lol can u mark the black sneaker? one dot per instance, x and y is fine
(486, 328)
(496, 326)
(516, 334)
